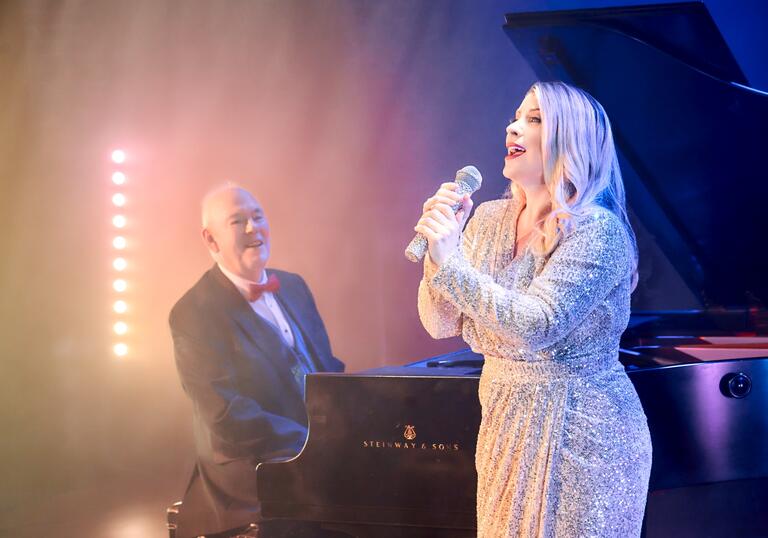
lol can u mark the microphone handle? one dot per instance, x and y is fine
(417, 248)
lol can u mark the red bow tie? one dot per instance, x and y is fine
(257, 290)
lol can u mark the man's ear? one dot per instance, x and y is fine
(209, 240)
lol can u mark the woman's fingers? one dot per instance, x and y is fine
(466, 209)
(446, 194)
(427, 232)
(447, 200)
(439, 199)
(449, 193)
(440, 224)
(433, 231)
(443, 211)
(436, 217)
(447, 222)
(443, 215)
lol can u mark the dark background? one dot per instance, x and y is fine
(340, 115)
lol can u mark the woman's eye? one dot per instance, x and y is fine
(534, 119)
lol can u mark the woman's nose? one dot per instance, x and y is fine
(512, 129)
(249, 226)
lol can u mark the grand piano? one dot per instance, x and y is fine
(390, 452)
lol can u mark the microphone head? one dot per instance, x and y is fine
(471, 176)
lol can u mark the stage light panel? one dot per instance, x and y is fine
(118, 156)
(119, 264)
(120, 285)
(118, 178)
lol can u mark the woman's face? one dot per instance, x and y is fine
(524, 163)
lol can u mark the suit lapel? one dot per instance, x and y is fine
(289, 304)
(257, 328)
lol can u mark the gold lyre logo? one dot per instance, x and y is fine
(410, 432)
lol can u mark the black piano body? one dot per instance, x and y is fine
(379, 460)
(390, 452)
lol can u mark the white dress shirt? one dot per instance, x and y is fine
(265, 306)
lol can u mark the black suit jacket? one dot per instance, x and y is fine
(247, 406)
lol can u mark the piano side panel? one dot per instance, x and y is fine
(382, 450)
(699, 434)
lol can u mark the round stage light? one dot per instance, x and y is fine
(121, 349)
(120, 306)
(120, 285)
(119, 264)
(118, 156)
(118, 178)
(119, 242)
(118, 199)
(120, 327)
(118, 221)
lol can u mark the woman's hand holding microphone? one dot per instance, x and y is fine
(440, 225)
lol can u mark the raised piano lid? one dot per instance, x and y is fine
(691, 137)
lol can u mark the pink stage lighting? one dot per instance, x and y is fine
(120, 307)
(118, 156)
(118, 221)
(119, 264)
(120, 285)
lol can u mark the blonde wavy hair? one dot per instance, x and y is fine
(581, 169)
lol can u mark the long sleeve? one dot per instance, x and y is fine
(239, 425)
(587, 264)
(439, 316)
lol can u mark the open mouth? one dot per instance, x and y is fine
(514, 150)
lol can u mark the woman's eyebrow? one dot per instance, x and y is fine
(517, 112)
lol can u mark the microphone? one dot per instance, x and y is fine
(469, 180)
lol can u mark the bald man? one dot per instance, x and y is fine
(244, 339)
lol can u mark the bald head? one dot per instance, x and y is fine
(215, 197)
(236, 231)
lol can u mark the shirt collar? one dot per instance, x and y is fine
(242, 284)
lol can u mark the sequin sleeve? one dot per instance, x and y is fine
(438, 315)
(588, 263)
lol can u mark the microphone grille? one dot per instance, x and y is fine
(471, 176)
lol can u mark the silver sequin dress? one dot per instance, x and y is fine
(563, 448)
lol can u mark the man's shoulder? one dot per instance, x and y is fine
(197, 300)
(287, 278)
(281, 273)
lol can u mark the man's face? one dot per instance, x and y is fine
(237, 232)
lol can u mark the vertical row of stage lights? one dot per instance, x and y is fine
(119, 262)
